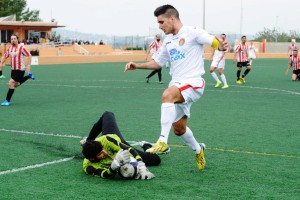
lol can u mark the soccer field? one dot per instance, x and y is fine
(251, 132)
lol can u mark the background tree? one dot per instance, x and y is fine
(273, 35)
(18, 8)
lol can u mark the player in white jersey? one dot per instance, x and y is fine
(183, 46)
(218, 61)
(16, 52)
(252, 53)
(154, 46)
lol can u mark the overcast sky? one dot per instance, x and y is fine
(135, 17)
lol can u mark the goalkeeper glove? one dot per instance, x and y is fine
(143, 172)
(123, 157)
(115, 165)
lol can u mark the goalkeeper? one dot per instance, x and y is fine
(105, 155)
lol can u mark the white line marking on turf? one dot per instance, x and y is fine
(35, 166)
(274, 90)
(37, 133)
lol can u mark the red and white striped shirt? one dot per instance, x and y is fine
(155, 46)
(16, 54)
(295, 62)
(242, 50)
(292, 47)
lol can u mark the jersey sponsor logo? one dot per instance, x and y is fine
(181, 41)
(176, 55)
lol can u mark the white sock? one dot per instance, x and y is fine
(224, 79)
(189, 139)
(214, 75)
(168, 113)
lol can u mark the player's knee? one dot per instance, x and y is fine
(166, 97)
(11, 84)
(108, 113)
(211, 70)
(179, 130)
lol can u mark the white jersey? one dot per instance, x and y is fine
(252, 51)
(186, 54)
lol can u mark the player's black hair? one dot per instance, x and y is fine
(244, 36)
(295, 50)
(166, 10)
(223, 34)
(91, 149)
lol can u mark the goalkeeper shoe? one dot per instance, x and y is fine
(219, 83)
(159, 148)
(145, 145)
(2, 76)
(243, 79)
(200, 157)
(83, 141)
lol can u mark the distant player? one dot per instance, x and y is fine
(16, 52)
(295, 63)
(241, 55)
(218, 61)
(292, 47)
(252, 53)
(154, 46)
(105, 154)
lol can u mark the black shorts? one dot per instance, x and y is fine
(243, 64)
(297, 72)
(17, 75)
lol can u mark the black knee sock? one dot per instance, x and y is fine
(9, 94)
(246, 72)
(25, 78)
(0, 73)
(152, 73)
(159, 75)
(238, 74)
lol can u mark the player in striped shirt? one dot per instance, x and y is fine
(16, 52)
(295, 63)
(101, 153)
(242, 56)
(154, 46)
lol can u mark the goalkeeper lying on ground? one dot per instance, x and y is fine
(105, 155)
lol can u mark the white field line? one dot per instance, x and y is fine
(37, 133)
(274, 90)
(42, 164)
(267, 90)
(36, 166)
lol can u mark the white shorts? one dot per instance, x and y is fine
(221, 64)
(191, 93)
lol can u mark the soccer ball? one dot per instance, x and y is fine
(129, 170)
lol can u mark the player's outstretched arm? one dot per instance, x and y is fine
(147, 65)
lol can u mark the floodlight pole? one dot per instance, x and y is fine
(203, 14)
(241, 22)
(276, 30)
